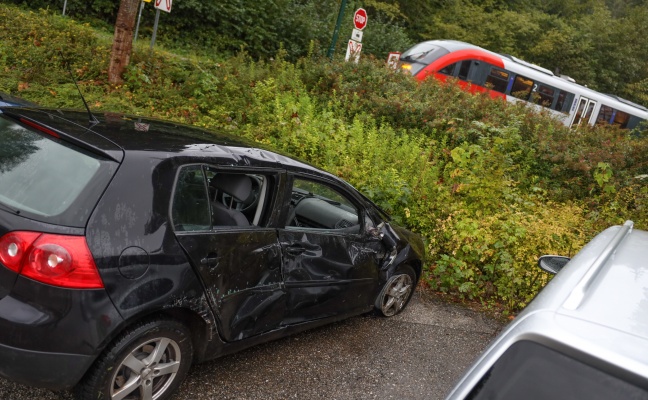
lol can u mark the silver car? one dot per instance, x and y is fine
(585, 336)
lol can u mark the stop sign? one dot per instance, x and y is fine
(360, 19)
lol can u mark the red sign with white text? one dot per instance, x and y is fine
(360, 19)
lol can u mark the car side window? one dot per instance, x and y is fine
(320, 206)
(190, 210)
(206, 198)
(238, 199)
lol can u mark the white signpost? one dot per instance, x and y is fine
(139, 18)
(355, 43)
(164, 5)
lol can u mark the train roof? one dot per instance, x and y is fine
(543, 74)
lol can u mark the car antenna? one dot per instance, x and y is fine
(93, 120)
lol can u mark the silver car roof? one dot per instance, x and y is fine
(595, 308)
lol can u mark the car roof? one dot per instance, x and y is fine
(606, 283)
(7, 100)
(618, 297)
(123, 132)
(594, 309)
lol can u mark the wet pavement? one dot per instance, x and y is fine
(418, 354)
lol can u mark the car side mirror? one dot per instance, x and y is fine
(377, 231)
(552, 264)
(384, 232)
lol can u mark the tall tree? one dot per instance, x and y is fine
(123, 40)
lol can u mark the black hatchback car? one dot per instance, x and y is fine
(132, 248)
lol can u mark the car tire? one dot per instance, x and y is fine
(148, 362)
(397, 292)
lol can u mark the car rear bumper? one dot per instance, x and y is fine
(54, 371)
(50, 336)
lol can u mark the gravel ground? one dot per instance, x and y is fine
(418, 354)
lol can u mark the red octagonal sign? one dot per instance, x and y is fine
(360, 19)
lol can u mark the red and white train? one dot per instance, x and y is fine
(504, 76)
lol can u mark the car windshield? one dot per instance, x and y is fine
(45, 179)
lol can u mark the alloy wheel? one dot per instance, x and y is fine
(395, 295)
(147, 371)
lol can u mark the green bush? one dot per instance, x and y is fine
(490, 186)
(36, 45)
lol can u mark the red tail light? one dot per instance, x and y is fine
(14, 246)
(57, 260)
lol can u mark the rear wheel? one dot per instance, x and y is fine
(148, 362)
(397, 292)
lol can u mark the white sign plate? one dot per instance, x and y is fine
(353, 50)
(356, 35)
(393, 59)
(164, 5)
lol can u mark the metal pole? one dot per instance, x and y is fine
(155, 25)
(336, 31)
(64, 6)
(139, 18)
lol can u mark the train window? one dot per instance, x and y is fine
(544, 96)
(590, 109)
(522, 87)
(464, 70)
(605, 115)
(564, 101)
(621, 119)
(448, 69)
(609, 115)
(497, 80)
(637, 124)
(579, 111)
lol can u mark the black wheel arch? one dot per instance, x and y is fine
(95, 375)
(202, 329)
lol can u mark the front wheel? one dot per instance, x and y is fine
(148, 362)
(397, 292)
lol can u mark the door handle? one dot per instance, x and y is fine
(295, 249)
(211, 258)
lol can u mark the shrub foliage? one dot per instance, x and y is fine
(489, 185)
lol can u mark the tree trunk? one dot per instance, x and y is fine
(123, 41)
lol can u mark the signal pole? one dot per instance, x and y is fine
(336, 31)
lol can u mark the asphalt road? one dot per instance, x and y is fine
(418, 354)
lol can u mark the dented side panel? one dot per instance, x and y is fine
(331, 273)
(241, 272)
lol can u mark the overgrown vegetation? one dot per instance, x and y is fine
(490, 186)
(600, 43)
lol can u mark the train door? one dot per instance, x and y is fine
(584, 111)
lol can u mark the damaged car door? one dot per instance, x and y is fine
(219, 218)
(330, 264)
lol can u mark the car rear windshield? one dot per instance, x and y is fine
(46, 179)
(531, 371)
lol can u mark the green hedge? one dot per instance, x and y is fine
(489, 185)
